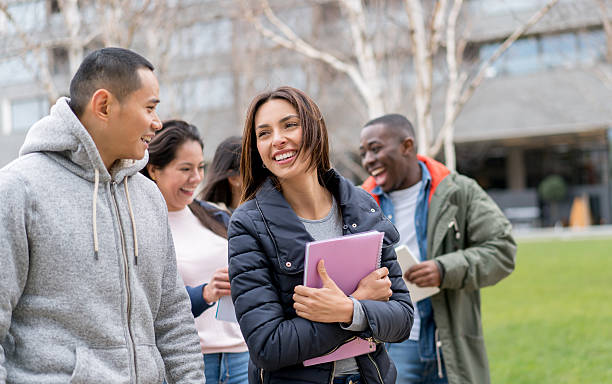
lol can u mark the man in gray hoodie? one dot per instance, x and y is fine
(89, 290)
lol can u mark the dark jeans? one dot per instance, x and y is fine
(348, 379)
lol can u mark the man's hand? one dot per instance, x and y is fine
(425, 274)
(325, 305)
(375, 286)
(218, 286)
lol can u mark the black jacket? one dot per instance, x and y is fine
(266, 262)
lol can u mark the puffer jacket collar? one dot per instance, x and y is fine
(289, 235)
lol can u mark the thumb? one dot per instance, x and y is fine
(325, 279)
(384, 272)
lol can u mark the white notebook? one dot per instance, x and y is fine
(406, 260)
(226, 310)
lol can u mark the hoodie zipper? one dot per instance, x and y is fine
(126, 276)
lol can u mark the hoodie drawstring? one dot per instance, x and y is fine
(95, 200)
(127, 195)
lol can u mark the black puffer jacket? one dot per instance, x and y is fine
(266, 261)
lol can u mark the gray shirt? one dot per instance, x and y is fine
(326, 228)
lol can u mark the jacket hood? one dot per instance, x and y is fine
(62, 136)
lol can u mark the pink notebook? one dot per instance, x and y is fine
(348, 259)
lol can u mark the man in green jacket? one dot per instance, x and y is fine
(463, 240)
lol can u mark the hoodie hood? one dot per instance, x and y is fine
(64, 139)
(62, 136)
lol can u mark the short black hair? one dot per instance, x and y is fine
(398, 124)
(114, 69)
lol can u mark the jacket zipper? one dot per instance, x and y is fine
(374, 340)
(261, 375)
(126, 276)
(377, 370)
(333, 372)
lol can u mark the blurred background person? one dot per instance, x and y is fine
(176, 165)
(223, 185)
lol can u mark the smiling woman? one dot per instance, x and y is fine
(176, 165)
(292, 196)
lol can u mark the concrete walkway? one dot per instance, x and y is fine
(536, 234)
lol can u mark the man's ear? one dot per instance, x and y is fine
(152, 171)
(101, 102)
(408, 146)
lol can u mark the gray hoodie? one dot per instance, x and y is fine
(89, 290)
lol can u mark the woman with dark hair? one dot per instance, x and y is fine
(223, 185)
(292, 196)
(176, 165)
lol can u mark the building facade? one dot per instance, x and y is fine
(543, 108)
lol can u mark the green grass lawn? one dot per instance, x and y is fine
(550, 321)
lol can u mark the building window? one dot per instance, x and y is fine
(208, 93)
(330, 12)
(28, 16)
(521, 57)
(54, 6)
(25, 112)
(497, 7)
(60, 64)
(17, 70)
(203, 39)
(293, 76)
(592, 45)
(533, 53)
(558, 50)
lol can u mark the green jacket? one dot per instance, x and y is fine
(471, 238)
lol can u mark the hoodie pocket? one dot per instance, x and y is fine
(150, 366)
(101, 365)
(111, 365)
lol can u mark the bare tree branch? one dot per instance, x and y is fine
(455, 83)
(607, 28)
(72, 20)
(469, 91)
(365, 56)
(437, 23)
(290, 40)
(423, 66)
(136, 18)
